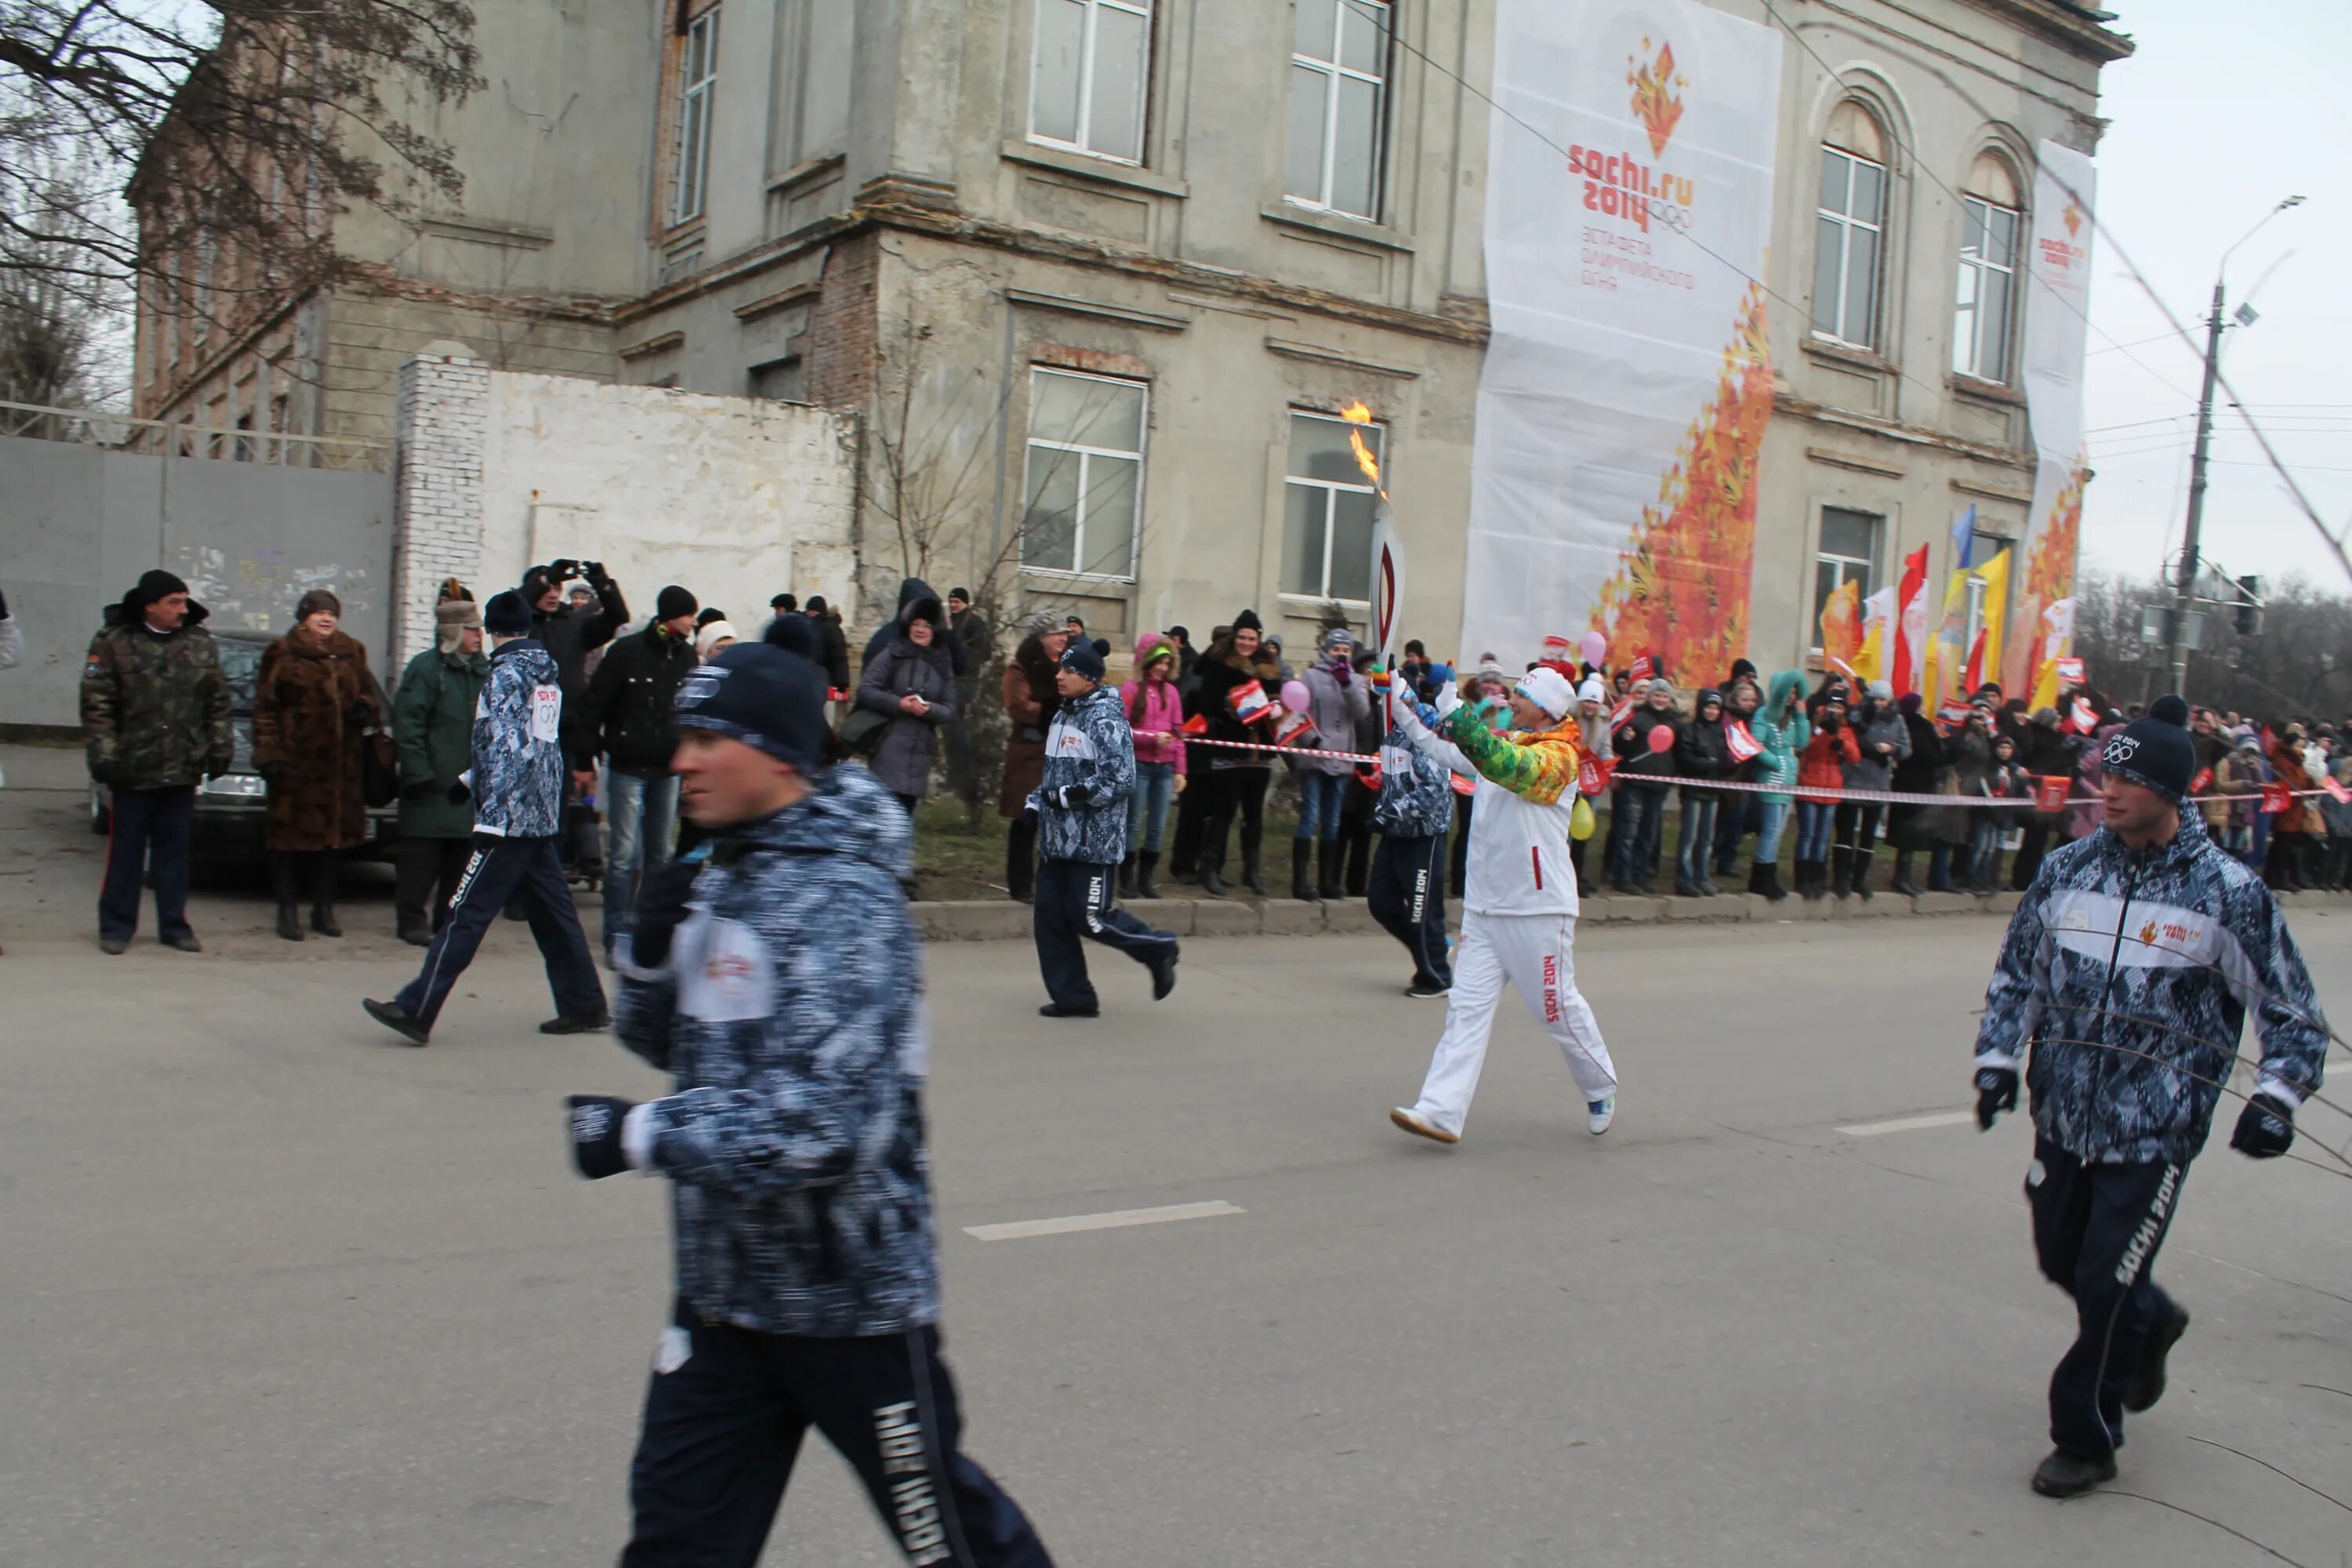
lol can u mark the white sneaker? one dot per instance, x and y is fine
(1599, 1113)
(1415, 1122)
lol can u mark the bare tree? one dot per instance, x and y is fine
(243, 127)
(61, 337)
(2298, 666)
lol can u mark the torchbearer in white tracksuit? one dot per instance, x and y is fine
(1519, 907)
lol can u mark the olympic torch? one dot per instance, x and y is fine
(1388, 547)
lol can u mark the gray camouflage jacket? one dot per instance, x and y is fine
(2128, 976)
(1089, 764)
(518, 773)
(1416, 791)
(790, 1015)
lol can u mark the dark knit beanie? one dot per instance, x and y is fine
(153, 585)
(314, 601)
(506, 615)
(1247, 621)
(2155, 750)
(793, 632)
(673, 602)
(784, 604)
(1086, 658)
(762, 696)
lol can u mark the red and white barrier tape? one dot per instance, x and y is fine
(1819, 793)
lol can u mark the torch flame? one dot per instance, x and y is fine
(1356, 414)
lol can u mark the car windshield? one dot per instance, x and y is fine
(241, 662)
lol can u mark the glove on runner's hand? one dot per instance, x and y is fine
(1995, 1093)
(661, 906)
(2265, 1127)
(596, 1121)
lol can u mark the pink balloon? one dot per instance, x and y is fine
(1662, 738)
(1595, 645)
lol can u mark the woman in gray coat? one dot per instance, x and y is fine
(911, 679)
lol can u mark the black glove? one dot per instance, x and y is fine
(1029, 817)
(4, 606)
(564, 570)
(2265, 1127)
(273, 775)
(460, 791)
(594, 571)
(596, 1134)
(1995, 1093)
(662, 893)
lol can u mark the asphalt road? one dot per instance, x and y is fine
(278, 1290)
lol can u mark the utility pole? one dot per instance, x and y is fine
(2186, 594)
(2190, 539)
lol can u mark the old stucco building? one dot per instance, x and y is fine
(1099, 273)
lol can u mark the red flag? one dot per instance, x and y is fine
(1621, 715)
(1741, 741)
(1954, 714)
(1198, 725)
(2276, 798)
(1972, 673)
(2050, 792)
(1251, 702)
(1592, 773)
(2337, 790)
(1911, 623)
(1644, 668)
(2202, 782)
(2085, 717)
(2070, 670)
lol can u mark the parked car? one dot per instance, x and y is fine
(230, 809)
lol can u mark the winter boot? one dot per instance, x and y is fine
(1862, 859)
(284, 881)
(1903, 882)
(1939, 870)
(1147, 861)
(1302, 851)
(1330, 856)
(1021, 861)
(323, 867)
(1841, 870)
(1811, 876)
(1771, 888)
(1211, 867)
(1253, 849)
(1126, 878)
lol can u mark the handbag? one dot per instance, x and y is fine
(379, 769)
(861, 732)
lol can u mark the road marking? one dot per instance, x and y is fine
(1911, 1124)
(1016, 1229)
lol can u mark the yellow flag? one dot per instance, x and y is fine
(1871, 661)
(1994, 575)
(1946, 648)
(1842, 625)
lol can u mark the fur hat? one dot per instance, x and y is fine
(316, 599)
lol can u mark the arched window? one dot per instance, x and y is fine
(1992, 225)
(1851, 227)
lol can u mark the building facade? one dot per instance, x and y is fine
(1101, 276)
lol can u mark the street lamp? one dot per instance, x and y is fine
(2188, 561)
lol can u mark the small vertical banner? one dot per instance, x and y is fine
(2276, 798)
(2050, 792)
(1741, 741)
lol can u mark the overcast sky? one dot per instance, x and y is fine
(2226, 110)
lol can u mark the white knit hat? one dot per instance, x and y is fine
(1593, 690)
(1549, 690)
(710, 637)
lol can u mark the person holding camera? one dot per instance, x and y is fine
(568, 632)
(1821, 764)
(2120, 995)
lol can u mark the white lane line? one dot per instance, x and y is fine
(1016, 1230)
(1911, 1124)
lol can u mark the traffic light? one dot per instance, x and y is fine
(2250, 607)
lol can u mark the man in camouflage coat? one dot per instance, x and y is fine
(1080, 804)
(516, 785)
(776, 976)
(1408, 886)
(155, 711)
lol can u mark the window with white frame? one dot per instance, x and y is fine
(1986, 301)
(1085, 474)
(1339, 78)
(1848, 553)
(1326, 509)
(698, 83)
(1090, 75)
(1849, 230)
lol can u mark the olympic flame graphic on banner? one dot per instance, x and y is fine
(1388, 546)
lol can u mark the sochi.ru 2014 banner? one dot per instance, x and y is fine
(2057, 314)
(1623, 403)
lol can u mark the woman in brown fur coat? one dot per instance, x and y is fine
(312, 702)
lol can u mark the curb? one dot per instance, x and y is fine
(1004, 920)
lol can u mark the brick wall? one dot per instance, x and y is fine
(437, 489)
(837, 351)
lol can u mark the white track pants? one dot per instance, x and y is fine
(1534, 953)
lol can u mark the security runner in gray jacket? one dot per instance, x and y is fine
(2123, 987)
(1080, 804)
(516, 785)
(1408, 885)
(778, 981)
